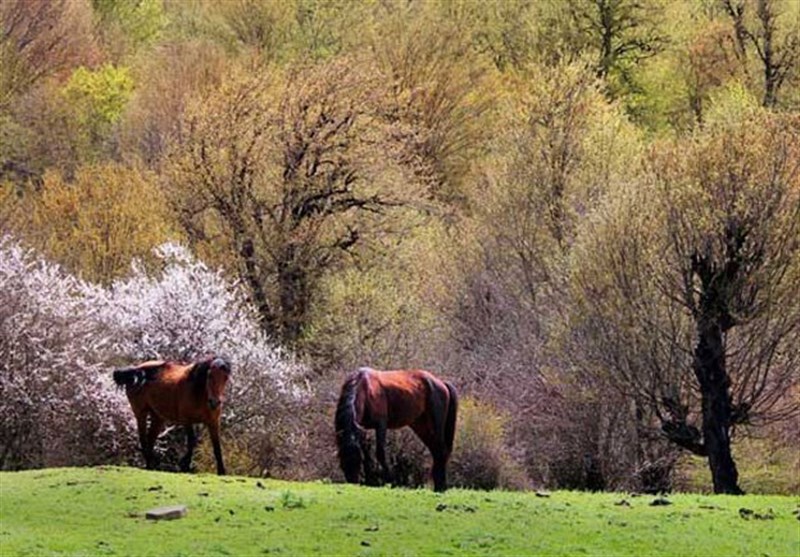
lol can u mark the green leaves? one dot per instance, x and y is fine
(99, 96)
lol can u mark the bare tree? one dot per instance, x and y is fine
(292, 181)
(39, 38)
(688, 292)
(622, 32)
(777, 45)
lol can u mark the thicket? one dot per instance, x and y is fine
(586, 214)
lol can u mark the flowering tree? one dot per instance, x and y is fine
(57, 408)
(186, 310)
(60, 337)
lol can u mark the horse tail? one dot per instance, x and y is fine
(348, 432)
(450, 422)
(137, 375)
(129, 377)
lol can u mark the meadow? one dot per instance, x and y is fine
(101, 511)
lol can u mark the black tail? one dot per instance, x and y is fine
(348, 432)
(135, 376)
(450, 422)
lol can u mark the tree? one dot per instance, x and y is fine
(708, 63)
(686, 289)
(94, 226)
(96, 100)
(563, 147)
(57, 409)
(174, 72)
(182, 309)
(122, 25)
(39, 38)
(619, 33)
(293, 178)
(440, 97)
(60, 337)
(503, 31)
(774, 35)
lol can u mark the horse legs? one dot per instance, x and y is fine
(191, 443)
(439, 472)
(155, 429)
(366, 460)
(141, 426)
(380, 451)
(426, 430)
(213, 430)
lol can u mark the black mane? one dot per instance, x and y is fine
(198, 375)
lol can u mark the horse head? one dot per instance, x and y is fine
(219, 371)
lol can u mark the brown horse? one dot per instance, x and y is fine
(176, 393)
(382, 400)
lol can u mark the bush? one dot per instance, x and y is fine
(481, 457)
(60, 337)
(187, 310)
(409, 460)
(57, 408)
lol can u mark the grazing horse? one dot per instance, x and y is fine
(382, 400)
(176, 393)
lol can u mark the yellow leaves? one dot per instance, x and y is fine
(109, 215)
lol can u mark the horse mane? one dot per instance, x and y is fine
(348, 432)
(198, 375)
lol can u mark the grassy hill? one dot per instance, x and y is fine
(100, 511)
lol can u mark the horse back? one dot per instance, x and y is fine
(400, 397)
(164, 389)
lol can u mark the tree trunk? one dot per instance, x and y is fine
(709, 366)
(606, 17)
(294, 294)
(253, 280)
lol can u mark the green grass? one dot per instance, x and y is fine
(100, 511)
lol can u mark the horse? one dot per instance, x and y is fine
(176, 393)
(382, 400)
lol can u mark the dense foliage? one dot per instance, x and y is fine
(584, 213)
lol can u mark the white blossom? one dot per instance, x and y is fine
(56, 407)
(60, 337)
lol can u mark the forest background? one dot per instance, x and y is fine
(586, 214)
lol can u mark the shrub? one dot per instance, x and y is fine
(408, 458)
(60, 337)
(186, 310)
(481, 457)
(57, 408)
